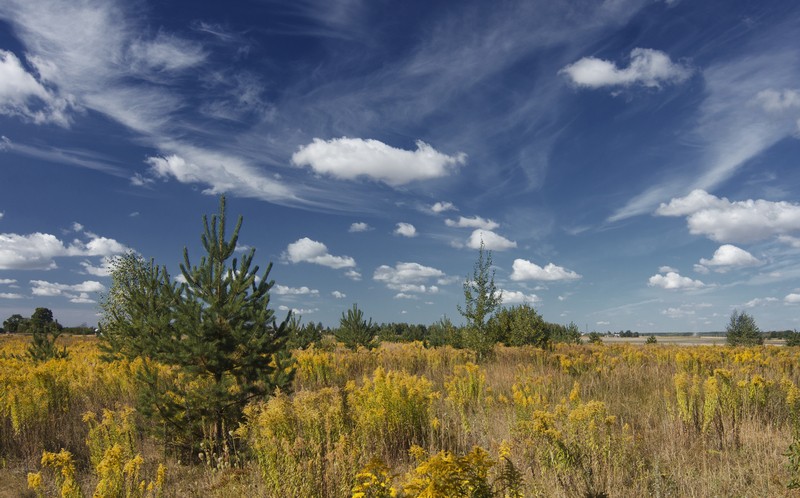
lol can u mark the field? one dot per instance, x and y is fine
(614, 419)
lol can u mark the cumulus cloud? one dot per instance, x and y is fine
(37, 251)
(403, 295)
(408, 277)
(7, 281)
(491, 241)
(359, 227)
(76, 293)
(10, 295)
(666, 269)
(518, 297)
(306, 250)
(740, 221)
(21, 95)
(298, 311)
(526, 270)
(103, 270)
(350, 158)
(1, 213)
(673, 280)
(406, 230)
(728, 256)
(648, 67)
(474, 222)
(792, 298)
(338, 295)
(441, 207)
(283, 290)
(353, 275)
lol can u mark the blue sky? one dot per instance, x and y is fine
(631, 164)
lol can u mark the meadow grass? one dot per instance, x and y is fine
(404, 420)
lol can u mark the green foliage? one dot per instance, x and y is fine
(301, 336)
(595, 338)
(446, 474)
(520, 326)
(443, 332)
(45, 331)
(742, 330)
(651, 340)
(481, 300)
(354, 330)
(215, 333)
(15, 324)
(569, 334)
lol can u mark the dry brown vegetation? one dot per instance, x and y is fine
(580, 420)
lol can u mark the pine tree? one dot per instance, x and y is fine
(216, 330)
(354, 330)
(45, 331)
(481, 300)
(742, 330)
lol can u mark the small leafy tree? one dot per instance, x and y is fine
(354, 330)
(595, 338)
(481, 300)
(443, 332)
(520, 326)
(15, 323)
(45, 331)
(742, 330)
(651, 340)
(215, 333)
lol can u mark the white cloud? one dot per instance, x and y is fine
(526, 270)
(283, 290)
(728, 256)
(408, 277)
(10, 295)
(338, 295)
(673, 280)
(7, 281)
(37, 251)
(350, 158)
(23, 96)
(697, 269)
(792, 241)
(517, 297)
(76, 293)
(165, 53)
(741, 221)
(298, 311)
(311, 251)
(474, 222)
(403, 295)
(678, 312)
(491, 241)
(406, 230)
(603, 322)
(104, 270)
(650, 68)
(441, 207)
(792, 298)
(221, 172)
(760, 301)
(353, 275)
(666, 269)
(2, 213)
(772, 100)
(359, 227)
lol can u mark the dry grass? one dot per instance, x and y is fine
(614, 407)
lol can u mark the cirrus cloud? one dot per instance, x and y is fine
(350, 158)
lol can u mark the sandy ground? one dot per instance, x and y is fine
(681, 340)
